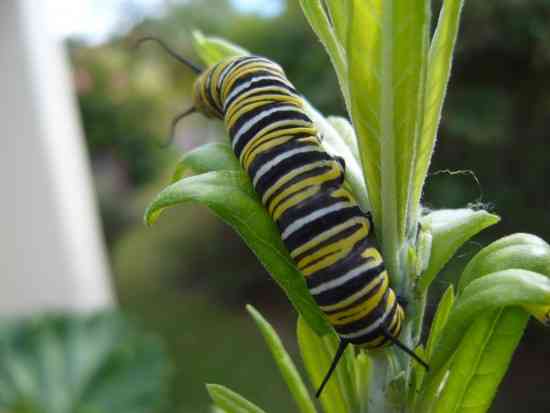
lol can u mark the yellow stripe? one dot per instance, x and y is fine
(265, 99)
(246, 97)
(271, 132)
(354, 297)
(375, 343)
(344, 246)
(328, 234)
(301, 196)
(298, 186)
(248, 69)
(270, 144)
(231, 120)
(213, 83)
(361, 310)
(292, 174)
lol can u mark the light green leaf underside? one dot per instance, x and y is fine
(481, 361)
(206, 158)
(284, 362)
(317, 353)
(213, 49)
(440, 319)
(496, 290)
(229, 401)
(438, 73)
(386, 52)
(450, 229)
(229, 194)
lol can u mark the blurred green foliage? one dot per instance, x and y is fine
(189, 264)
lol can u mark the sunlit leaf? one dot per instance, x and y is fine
(230, 195)
(207, 158)
(387, 52)
(230, 401)
(317, 353)
(450, 229)
(440, 319)
(439, 70)
(284, 362)
(213, 49)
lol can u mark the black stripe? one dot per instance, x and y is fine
(260, 83)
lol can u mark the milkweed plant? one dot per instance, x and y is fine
(393, 77)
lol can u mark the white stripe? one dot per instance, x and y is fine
(249, 124)
(299, 223)
(246, 85)
(278, 159)
(371, 328)
(350, 275)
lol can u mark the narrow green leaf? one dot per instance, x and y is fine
(440, 319)
(207, 158)
(229, 195)
(499, 289)
(387, 51)
(284, 362)
(344, 128)
(450, 229)
(319, 22)
(317, 353)
(338, 10)
(213, 49)
(230, 401)
(363, 369)
(481, 362)
(439, 69)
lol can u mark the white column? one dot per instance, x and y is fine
(51, 251)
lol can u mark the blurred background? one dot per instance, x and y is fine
(187, 278)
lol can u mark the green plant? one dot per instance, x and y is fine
(80, 364)
(393, 78)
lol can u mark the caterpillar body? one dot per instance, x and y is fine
(327, 235)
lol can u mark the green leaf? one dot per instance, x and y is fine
(481, 361)
(440, 319)
(439, 70)
(206, 158)
(338, 10)
(229, 195)
(229, 401)
(496, 290)
(214, 49)
(66, 364)
(363, 368)
(387, 53)
(347, 134)
(524, 251)
(450, 229)
(320, 23)
(317, 354)
(284, 362)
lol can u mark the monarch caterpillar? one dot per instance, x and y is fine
(301, 186)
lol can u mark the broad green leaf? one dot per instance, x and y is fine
(439, 70)
(496, 290)
(450, 229)
(524, 251)
(229, 195)
(336, 145)
(317, 353)
(440, 319)
(320, 23)
(229, 401)
(77, 363)
(284, 362)
(387, 47)
(481, 361)
(213, 49)
(206, 158)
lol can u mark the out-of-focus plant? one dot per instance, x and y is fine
(80, 364)
(393, 76)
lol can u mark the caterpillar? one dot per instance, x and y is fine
(302, 187)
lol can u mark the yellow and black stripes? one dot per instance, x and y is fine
(301, 186)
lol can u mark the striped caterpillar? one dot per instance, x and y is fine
(301, 186)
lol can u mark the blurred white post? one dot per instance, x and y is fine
(51, 252)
